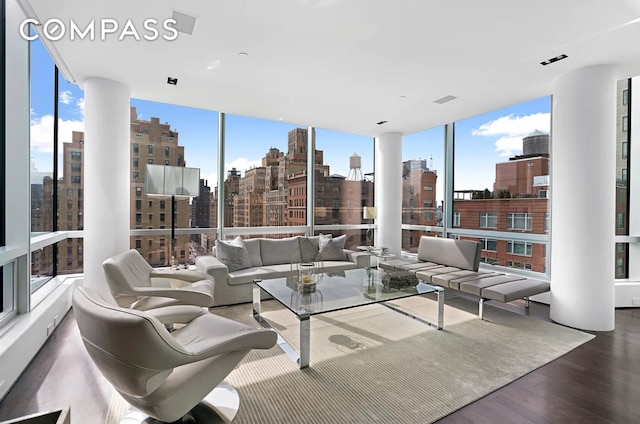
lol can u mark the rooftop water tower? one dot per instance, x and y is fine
(355, 168)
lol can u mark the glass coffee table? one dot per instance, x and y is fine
(337, 291)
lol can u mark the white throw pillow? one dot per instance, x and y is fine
(331, 249)
(233, 254)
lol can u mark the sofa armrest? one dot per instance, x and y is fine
(213, 267)
(361, 259)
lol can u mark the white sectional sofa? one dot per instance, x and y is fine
(235, 264)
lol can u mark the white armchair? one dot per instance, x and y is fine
(166, 375)
(135, 284)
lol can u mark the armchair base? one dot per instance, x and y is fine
(220, 406)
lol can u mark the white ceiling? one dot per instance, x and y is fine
(345, 64)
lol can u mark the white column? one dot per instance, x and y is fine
(106, 176)
(388, 191)
(583, 151)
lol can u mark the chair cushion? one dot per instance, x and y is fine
(332, 249)
(463, 254)
(426, 274)
(476, 287)
(453, 279)
(233, 254)
(512, 290)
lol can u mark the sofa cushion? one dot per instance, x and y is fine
(265, 272)
(332, 249)
(280, 251)
(233, 254)
(253, 247)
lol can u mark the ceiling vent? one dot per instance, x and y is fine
(381, 122)
(553, 59)
(184, 23)
(172, 81)
(445, 99)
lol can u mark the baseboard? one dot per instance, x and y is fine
(22, 338)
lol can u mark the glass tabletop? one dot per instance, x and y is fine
(342, 290)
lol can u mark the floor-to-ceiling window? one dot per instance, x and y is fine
(623, 161)
(501, 184)
(344, 186)
(422, 186)
(174, 136)
(265, 162)
(42, 174)
(70, 176)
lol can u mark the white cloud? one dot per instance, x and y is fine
(66, 97)
(212, 179)
(80, 105)
(42, 132)
(509, 146)
(512, 129)
(515, 125)
(242, 164)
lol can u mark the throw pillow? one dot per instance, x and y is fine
(233, 254)
(331, 249)
(280, 251)
(253, 247)
(309, 247)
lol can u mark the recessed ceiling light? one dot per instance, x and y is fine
(213, 65)
(445, 99)
(172, 81)
(553, 59)
(243, 54)
(381, 122)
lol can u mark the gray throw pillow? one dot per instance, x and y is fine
(309, 247)
(253, 247)
(331, 249)
(233, 254)
(280, 251)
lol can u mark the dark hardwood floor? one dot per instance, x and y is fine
(599, 382)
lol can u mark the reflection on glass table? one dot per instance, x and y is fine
(337, 291)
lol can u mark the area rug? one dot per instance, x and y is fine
(371, 364)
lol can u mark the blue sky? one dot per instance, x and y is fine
(481, 141)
